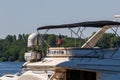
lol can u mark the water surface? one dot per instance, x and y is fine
(10, 67)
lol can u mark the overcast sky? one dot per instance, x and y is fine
(24, 16)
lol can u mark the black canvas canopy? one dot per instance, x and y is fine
(81, 24)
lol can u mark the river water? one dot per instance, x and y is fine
(10, 67)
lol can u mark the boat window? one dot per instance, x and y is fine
(56, 52)
(62, 52)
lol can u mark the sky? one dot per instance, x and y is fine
(25, 16)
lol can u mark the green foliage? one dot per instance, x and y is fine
(13, 48)
(109, 40)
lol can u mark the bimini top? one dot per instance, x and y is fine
(81, 24)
